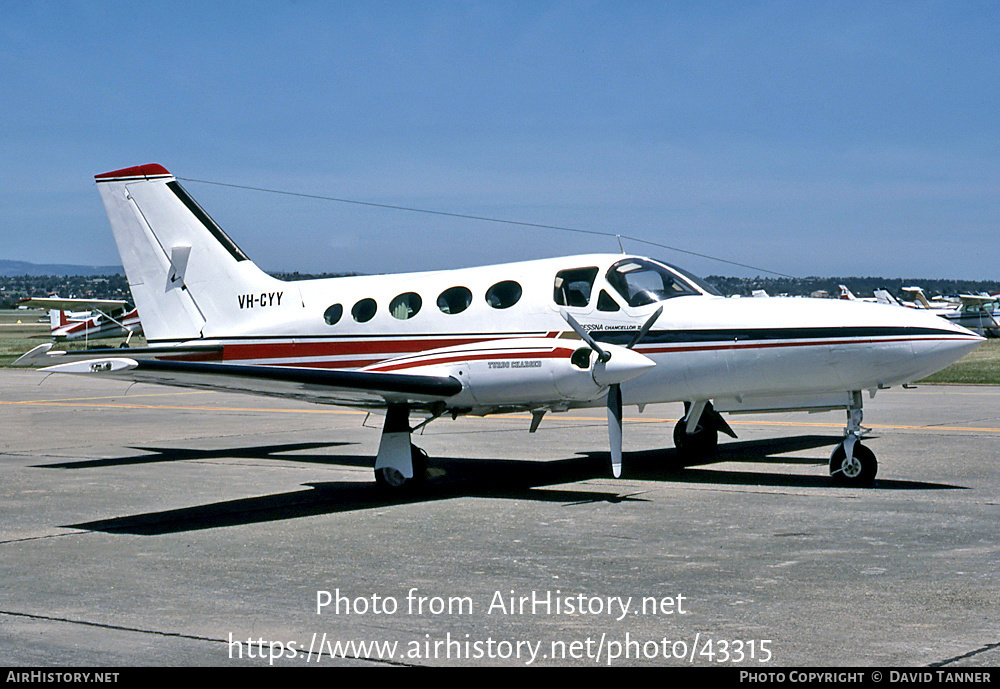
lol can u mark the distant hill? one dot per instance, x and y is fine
(10, 268)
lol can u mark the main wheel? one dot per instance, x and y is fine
(860, 470)
(392, 479)
(697, 446)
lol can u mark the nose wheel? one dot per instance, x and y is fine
(857, 469)
(853, 464)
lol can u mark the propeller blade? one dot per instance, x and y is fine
(615, 428)
(645, 328)
(602, 354)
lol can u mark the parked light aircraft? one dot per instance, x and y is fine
(537, 336)
(880, 296)
(976, 312)
(918, 300)
(87, 319)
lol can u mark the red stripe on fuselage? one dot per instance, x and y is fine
(471, 356)
(361, 353)
(369, 350)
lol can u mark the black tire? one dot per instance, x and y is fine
(859, 472)
(389, 479)
(697, 446)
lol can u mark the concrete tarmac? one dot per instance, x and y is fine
(150, 526)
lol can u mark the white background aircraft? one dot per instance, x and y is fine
(87, 319)
(538, 336)
(976, 312)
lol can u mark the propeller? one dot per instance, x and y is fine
(614, 400)
(615, 428)
(603, 355)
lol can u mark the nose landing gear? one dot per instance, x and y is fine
(853, 464)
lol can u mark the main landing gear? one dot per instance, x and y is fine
(853, 464)
(696, 435)
(390, 478)
(400, 465)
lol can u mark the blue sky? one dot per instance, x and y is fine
(812, 138)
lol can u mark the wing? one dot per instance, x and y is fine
(976, 299)
(323, 386)
(105, 305)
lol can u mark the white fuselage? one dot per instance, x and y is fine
(704, 346)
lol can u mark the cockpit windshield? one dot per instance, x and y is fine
(705, 286)
(642, 282)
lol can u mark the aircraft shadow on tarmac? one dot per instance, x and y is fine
(450, 478)
(178, 454)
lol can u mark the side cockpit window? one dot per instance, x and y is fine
(642, 282)
(573, 287)
(605, 302)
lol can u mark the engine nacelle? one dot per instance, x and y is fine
(524, 371)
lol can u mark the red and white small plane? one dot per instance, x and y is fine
(536, 336)
(87, 319)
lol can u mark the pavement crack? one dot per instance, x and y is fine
(41, 538)
(105, 625)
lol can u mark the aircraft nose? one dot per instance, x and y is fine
(939, 344)
(624, 364)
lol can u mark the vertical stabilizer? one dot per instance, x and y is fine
(188, 278)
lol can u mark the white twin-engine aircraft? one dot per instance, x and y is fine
(536, 336)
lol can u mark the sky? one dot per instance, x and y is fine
(806, 139)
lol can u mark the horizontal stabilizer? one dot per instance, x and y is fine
(43, 354)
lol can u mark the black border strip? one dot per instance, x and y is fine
(207, 221)
(744, 335)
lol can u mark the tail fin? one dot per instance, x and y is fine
(57, 319)
(883, 296)
(188, 278)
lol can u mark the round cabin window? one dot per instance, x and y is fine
(503, 295)
(364, 310)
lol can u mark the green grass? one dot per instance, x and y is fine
(19, 332)
(22, 330)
